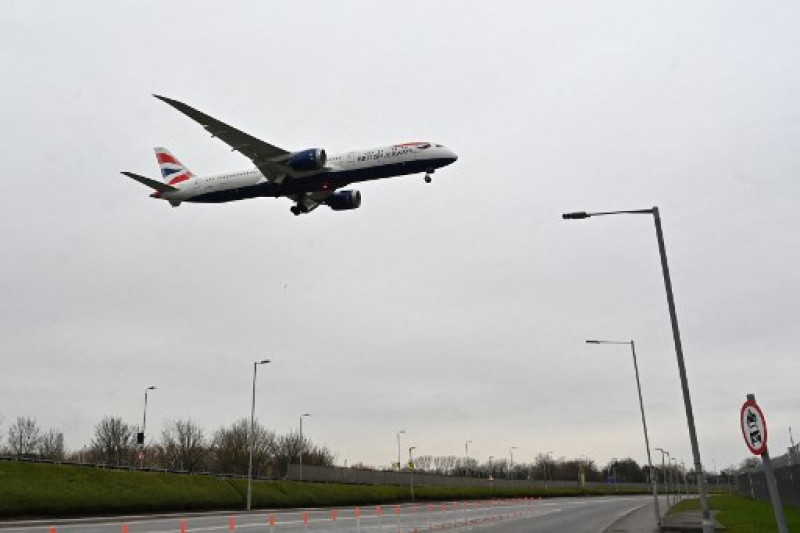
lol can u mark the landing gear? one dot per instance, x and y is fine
(295, 210)
(428, 178)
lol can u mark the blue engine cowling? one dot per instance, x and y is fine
(312, 159)
(343, 200)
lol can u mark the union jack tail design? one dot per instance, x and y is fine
(173, 171)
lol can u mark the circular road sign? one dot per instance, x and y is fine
(754, 427)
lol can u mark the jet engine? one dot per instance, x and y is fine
(311, 159)
(343, 200)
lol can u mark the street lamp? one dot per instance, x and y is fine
(252, 434)
(511, 453)
(466, 456)
(547, 472)
(302, 444)
(676, 484)
(666, 478)
(144, 423)
(411, 469)
(491, 477)
(644, 422)
(708, 524)
(399, 462)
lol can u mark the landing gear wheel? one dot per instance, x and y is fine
(295, 210)
(427, 178)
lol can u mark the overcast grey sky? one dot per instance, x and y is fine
(455, 310)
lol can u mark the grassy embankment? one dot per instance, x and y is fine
(28, 490)
(743, 515)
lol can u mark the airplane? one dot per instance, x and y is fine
(308, 177)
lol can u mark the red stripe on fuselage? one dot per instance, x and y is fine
(406, 145)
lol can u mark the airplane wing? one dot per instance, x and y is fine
(266, 157)
(157, 185)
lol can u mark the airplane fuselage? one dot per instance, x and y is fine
(340, 171)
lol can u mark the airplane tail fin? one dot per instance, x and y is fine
(172, 170)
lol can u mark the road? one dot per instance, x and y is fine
(575, 515)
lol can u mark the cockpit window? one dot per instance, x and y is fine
(439, 146)
(424, 146)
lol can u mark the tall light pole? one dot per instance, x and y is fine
(466, 456)
(411, 469)
(686, 478)
(676, 484)
(511, 453)
(302, 444)
(666, 478)
(644, 421)
(144, 424)
(399, 461)
(546, 468)
(252, 434)
(491, 477)
(708, 524)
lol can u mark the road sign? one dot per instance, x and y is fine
(754, 427)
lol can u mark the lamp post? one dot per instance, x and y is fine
(466, 456)
(676, 484)
(144, 424)
(547, 472)
(666, 478)
(708, 524)
(511, 464)
(644, 421)
(491, 477)
(302, 444)
(252, 434)
(399, 462)
(411, 469)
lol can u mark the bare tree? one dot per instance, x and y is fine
(748, 462)
(113, 441)
(423, 463)
(444, 464)
(183, 446)
(287, 450)
(318, 456)
(23, 437)
(232, 451)
(51, 445)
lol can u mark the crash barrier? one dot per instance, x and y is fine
(753, 484)
(413, 518)
(335, 474)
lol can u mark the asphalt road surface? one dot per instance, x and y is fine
(574, 515)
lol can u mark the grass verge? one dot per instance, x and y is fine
(743, 515)
(46, 490)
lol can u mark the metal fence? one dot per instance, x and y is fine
(335, 474)
(752, 483)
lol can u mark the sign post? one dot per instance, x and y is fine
(754, 431)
